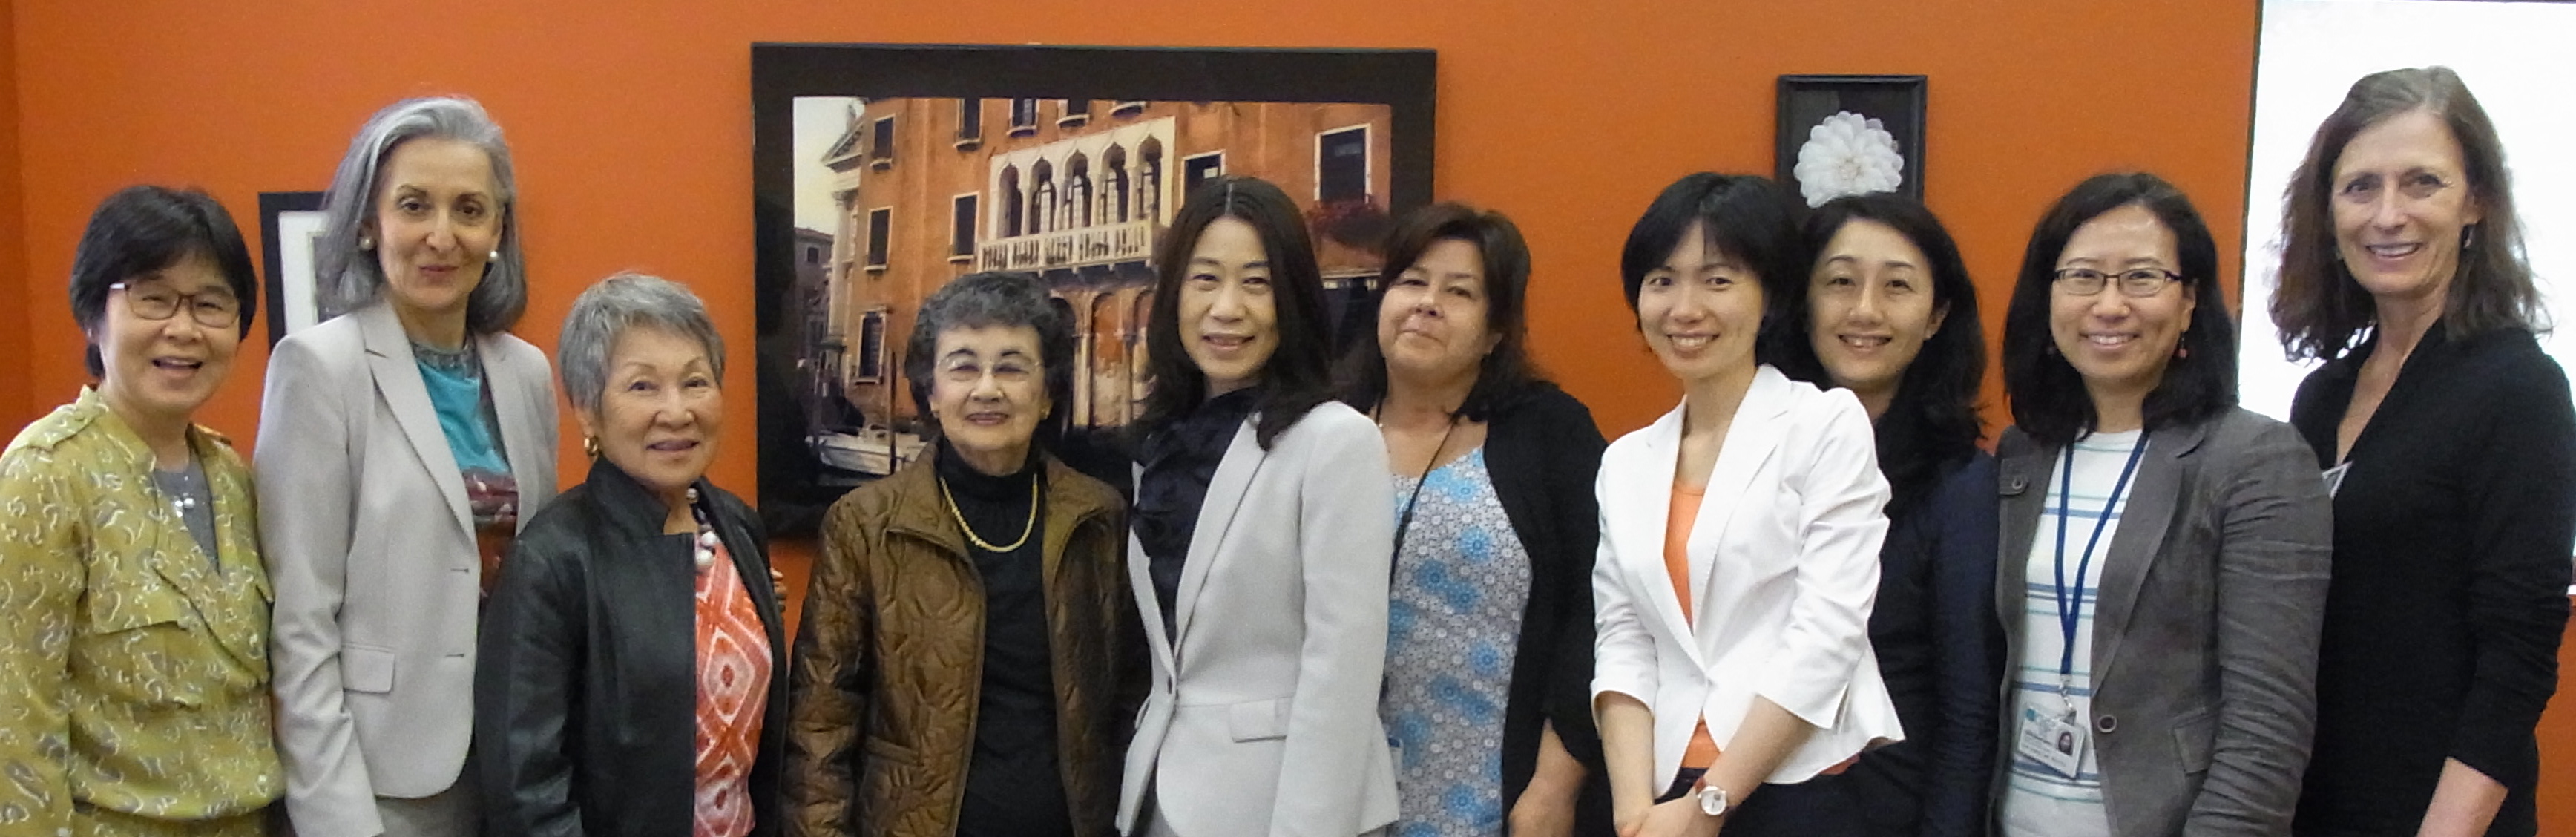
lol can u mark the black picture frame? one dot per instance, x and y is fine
(1033, 92)
(1899, 102)
(283, 216)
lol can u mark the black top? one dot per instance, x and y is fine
(1179, 461)
(1940, 650)
(1542, 452)
(1012, 785)
(2452, 532)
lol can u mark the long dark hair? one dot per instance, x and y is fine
(1505, 372)
(1299, 373)
(2319, 307)
(1932, 422)
(2049, 400)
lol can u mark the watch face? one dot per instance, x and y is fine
(1712, 801)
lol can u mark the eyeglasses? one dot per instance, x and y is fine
(212, 309)
(968, 371)
(2136, 281)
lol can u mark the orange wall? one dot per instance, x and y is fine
(14, 409)
(631, 126)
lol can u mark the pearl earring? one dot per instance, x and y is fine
(496, 255)
(366, 243)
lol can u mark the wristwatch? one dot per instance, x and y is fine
(1712, 800)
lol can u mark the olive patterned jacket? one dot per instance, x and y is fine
(137, 682)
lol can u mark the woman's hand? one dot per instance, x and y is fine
(1546, 807)
(1678, 818)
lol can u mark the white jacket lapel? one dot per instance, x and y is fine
(1751, 437)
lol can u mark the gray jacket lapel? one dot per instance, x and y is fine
(397, 376)
(2144, 520)
(521, 422)
(2022, 471)
(1225, 492)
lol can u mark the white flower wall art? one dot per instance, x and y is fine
(1850, 135)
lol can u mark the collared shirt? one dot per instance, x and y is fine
(138, 670)
(1179, 461)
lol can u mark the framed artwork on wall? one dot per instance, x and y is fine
(289, 224)
(1841, 135)
(880, 172)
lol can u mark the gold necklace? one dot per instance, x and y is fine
(969, 528)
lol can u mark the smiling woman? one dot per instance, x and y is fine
(417, 401)
(597, 702)
(1739, 542)
(137, 629)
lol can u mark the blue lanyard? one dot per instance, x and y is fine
(2070, 601)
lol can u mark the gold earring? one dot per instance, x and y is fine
(590, 445)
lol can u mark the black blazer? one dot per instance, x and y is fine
(1940, 649)
(585, 696)
(2449, 594)
(1542, 451)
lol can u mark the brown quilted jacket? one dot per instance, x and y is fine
(890, 657)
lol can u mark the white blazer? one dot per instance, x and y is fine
(1783, 569)
(370, 545)
(1262, 718)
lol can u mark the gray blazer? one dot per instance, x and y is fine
(1262, 718)
(2205, 644)
(371, 548)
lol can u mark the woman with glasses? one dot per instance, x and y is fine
(2163, 560)
(968, 661)
(132, 590)
(401, 445)
(2450, 437)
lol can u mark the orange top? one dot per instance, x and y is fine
(1702, 751)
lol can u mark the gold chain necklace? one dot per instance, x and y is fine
(969, 528)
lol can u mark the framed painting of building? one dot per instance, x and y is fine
(883, 171)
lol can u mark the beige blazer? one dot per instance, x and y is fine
(1783, 569)
(371, 549)
(1262, 717)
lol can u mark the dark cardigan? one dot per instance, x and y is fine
(1940, 649)
(1542, 451)
(2451, 539)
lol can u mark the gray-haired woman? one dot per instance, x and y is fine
(398, 445)
(968, 659)
(627, 682)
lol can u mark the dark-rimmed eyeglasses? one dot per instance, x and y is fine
(2136, 281)
(212, 309)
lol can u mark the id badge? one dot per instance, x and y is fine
(2051, 740)
(2334, 477)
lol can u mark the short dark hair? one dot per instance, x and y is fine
(1747, 217)
(1299, 374)
(142, 229)
(1506, 372)
(2318, 306)
(1933, 421)
(1004, 299)
(2049, 400)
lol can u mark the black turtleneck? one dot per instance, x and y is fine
(1012, 784)
(1179, 460)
